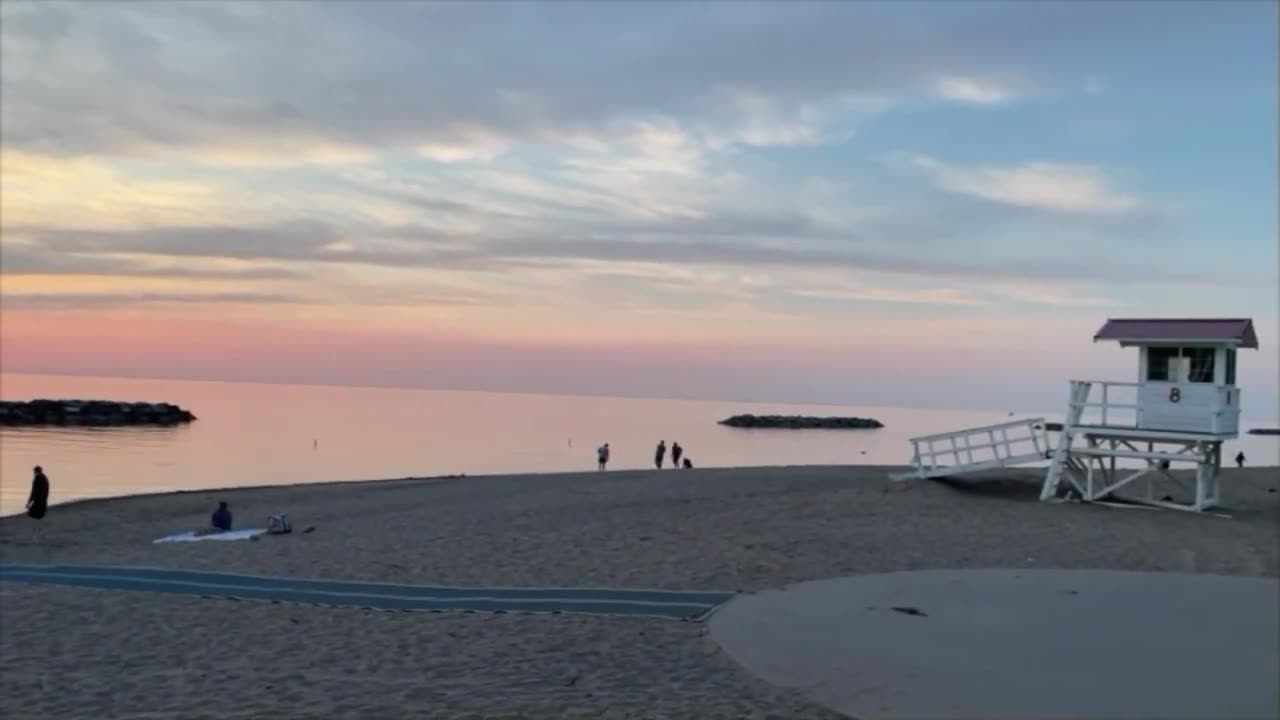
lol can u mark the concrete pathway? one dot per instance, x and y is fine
(1024, 644)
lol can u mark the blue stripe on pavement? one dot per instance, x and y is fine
(691, 605)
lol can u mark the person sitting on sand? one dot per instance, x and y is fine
(1240, 459)
(221, 520)
(602, 455)
(688, 464)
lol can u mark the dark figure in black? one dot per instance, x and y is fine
(676, 452)
(688, 464)
(660, 453)
(1240, 459)
(221, 519)
(38, 503)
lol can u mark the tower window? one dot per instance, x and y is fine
(1162, 364)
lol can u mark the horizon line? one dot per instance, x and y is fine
(429, 388)
(1251, 420)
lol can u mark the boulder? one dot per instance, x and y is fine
(801, 422)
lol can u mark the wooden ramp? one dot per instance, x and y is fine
(989, 447)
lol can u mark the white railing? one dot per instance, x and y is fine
(1107, 411)
(1098, 405)
(977, 448)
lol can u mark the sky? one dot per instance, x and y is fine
(917, 204)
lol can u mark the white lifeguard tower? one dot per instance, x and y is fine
(1184, 404)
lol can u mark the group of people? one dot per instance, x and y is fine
(659, 455)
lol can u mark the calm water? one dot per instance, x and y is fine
(279, 434)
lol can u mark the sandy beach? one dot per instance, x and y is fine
(74, 653)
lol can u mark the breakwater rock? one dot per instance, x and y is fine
(91, 412)
(801, 422)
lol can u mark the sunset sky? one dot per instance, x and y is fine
(928, 204)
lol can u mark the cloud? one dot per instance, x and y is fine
(993, 292)
(92, 190)
(1058, 187)
(339, 82)
(973, 91)
(23, 259)
(933, 296)
(402, 247)
(76, 300)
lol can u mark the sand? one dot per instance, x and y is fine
(74, 653)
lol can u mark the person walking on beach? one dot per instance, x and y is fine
(676, 452)
(602, 454)
(1240, 459)
(38, 502)
(660, 454)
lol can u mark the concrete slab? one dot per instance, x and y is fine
(1024, 644)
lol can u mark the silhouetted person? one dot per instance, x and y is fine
(38, 502)
(1240, 459)
(221, 519)
(660, 454)
(688, 464)
(602, 454)
(676, 452)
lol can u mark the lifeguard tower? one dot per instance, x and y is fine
(1184, 404)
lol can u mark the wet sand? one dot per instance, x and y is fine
(73, 653)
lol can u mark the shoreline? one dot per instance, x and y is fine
(549, 474)
(76, 502)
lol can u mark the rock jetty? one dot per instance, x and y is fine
(91, 412)
(801, 422)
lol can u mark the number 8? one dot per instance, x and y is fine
(1175, 394)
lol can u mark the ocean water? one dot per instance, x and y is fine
(254, 434)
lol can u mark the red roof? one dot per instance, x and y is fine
(1234, 331)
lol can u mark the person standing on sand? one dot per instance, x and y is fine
(1240, 459)
(38, 503)
(660, 454)
(602, 455)
(676, 452)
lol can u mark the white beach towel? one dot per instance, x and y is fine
(191, 536)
